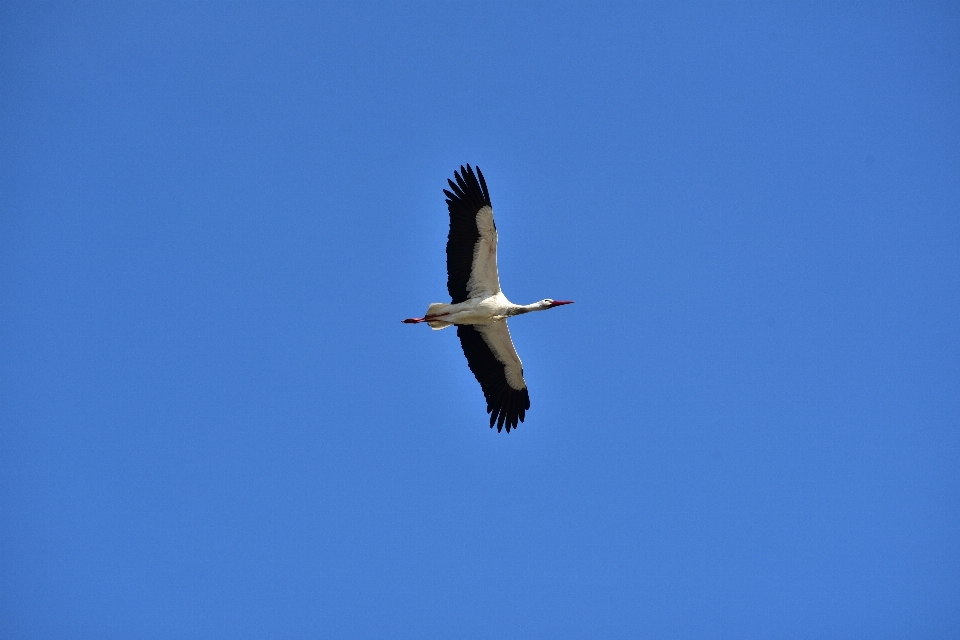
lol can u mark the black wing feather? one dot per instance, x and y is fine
(468, 196)
(505, 404)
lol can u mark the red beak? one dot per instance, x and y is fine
(557, 303)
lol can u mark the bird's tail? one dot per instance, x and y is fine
(436, 309)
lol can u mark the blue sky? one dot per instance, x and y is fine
(213, 424)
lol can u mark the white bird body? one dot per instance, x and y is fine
(493, 308)
(478, 307)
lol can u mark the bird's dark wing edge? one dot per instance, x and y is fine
(469, 195)
(505, 404)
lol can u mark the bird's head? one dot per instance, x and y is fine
(550, 304)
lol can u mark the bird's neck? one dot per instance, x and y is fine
(519, 309)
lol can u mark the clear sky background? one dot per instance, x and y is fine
(213, 217)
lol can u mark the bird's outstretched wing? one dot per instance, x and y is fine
(498, 369)
(472, 242)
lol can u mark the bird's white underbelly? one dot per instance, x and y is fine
(474, 311)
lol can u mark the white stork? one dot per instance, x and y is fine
(478, 307)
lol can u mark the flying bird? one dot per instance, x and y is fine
(478, 307)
